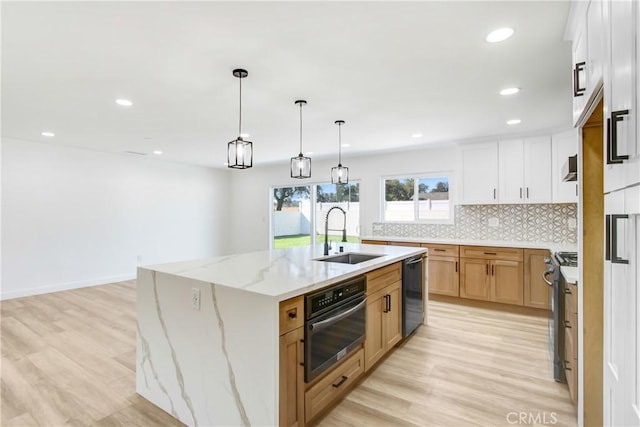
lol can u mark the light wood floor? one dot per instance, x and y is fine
(68, 358)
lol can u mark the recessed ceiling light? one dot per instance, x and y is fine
(245, 135)
(513, 121)
(509, 91)
(124, 102)
(416, 135)
(499, 35)
(49, 134)
(158, 152)
(346, 145)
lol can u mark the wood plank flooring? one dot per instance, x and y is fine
(68, 358)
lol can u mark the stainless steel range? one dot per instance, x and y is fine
(553, 277)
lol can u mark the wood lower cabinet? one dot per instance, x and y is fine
(292, 379)
(537, 293)
(571, 340)
(443, 269)
(331, 387)
(474, 279)
(492, 274)
(384, 314)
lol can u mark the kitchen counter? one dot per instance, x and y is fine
(551, 246)
(208, 330)
(570, 274)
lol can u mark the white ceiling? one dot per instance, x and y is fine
(389, 69)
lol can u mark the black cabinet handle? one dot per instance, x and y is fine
(388, 303)
(567, 324)
(566, 365)
(527, 192)
(439, 250)
(521, 192)
(612, 138)
(577, 90)
(607, 237)
(491, 253)
(493, 270)
(615, 259)
(293, 314)
(456, 266)
(494, 194)
(339, 383)
(487, 266)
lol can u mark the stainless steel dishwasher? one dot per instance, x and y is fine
(412, 295)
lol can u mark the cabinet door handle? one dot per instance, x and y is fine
(567, 324)
(612, 138)
(456, 266)
(577, 90)
(607, 237)
(615, 259)
(566, 365)
(339, 383)
(385, 309)
(494, 194)
(388, 303)
(576, 190)
(487, 266)
(493, 270)
(521, 192)
(527, 192)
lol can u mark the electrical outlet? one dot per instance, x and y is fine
(195, 299)
(494, 222)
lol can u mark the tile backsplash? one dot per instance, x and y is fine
(519, 223)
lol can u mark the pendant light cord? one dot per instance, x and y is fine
(339, 144)
(240, 111)
(301, 129)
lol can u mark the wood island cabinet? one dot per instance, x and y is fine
(291, 360)
(537, 293)
(384, 313)
(492, 274)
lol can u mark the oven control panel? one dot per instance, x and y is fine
(323, 300)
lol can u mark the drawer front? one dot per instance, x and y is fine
(412, 244)
(374, 242)
(291, 314)
(570, 300)
(383, 277)
(488, 252)
(442, 250)
(332, 387)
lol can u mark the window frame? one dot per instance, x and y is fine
(416, 177)
(313, 200)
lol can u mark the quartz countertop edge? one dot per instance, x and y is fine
(570, 274)
(284, 273)
(551, 246)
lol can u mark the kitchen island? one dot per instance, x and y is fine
(207, 342)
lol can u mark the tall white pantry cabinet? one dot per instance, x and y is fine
(606, 49)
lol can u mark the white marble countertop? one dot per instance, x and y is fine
(570, 274)
(552, 246)
(284, 273)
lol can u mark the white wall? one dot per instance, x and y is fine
(73, 217)
(250, 196)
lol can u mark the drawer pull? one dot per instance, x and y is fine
(490, 253)
(567, 324)
(293, 314)
(339, 383)
(567, 291)
(439, 250)
(566, 365)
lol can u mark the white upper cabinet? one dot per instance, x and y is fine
(563, 145)
(525, 170)
(579, 71)
(479, 164)
(537, 170)
(510, 171)
(621, 147)
(595, 43)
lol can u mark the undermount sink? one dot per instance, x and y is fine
(349, 258)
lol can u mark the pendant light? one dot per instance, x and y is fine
(301, 165)
(339, 174)
(240, 151)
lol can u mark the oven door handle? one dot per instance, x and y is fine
(544, 277)
(333, 319)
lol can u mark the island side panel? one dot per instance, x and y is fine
(213, 366)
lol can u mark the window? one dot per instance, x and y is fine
(298, 211)
(424, 198)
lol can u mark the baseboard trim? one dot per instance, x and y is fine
(64, 286)
(530, 311)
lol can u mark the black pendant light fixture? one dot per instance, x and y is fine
(301, 165)
(340, 174)
(240, 151)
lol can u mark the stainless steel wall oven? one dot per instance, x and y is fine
(334, 324)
